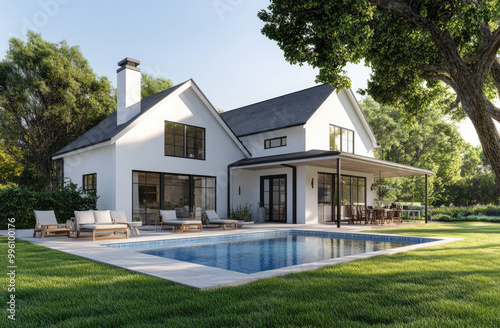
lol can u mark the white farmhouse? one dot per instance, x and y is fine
(173, 150)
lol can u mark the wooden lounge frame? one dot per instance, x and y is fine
(94, 231)
(183, 226)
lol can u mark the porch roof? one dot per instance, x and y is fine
(328, 159)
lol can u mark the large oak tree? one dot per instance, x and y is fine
(423, 53)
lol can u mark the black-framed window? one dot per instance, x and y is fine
(275, 142)
(89, 182)
(185, 141)
(341, 139)
(153, 191)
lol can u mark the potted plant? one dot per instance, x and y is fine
(243, 214)
(261, 213)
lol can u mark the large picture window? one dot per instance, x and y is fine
(184, 141)
(154, 191)
(341, 139)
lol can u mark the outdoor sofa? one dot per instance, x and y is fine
(98, 222)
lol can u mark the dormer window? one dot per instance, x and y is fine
(341, 139)
(275, 142)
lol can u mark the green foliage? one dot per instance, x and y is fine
(151, 85)
(9, 168)
(425, 56)
(20, 204)
(49, 96)
(456, 212)
(242, 213)
(469, 218)
(429, 142)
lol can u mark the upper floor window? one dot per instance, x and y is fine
(90, 182)
(275, 142)
(341, 139)
(184, 141)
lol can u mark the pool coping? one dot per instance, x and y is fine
(200, 276)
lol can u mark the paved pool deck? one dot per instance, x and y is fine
(195, 275)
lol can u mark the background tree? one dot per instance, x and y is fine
(429, 142)
(9, 168)
(423, 54)
(49, 96)
(151, 85)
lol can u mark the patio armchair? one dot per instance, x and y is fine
(98, 222)
(46, 224)
(169, 218)
(213, 219)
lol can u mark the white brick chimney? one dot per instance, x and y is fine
(129, 90)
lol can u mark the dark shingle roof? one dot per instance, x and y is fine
(277, 113)
(107, 129)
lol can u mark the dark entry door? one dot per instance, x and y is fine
(273, 196)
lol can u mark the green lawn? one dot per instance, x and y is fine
(452, 285)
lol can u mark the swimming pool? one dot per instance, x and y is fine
(257, 252)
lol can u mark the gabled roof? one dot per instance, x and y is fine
(285, 111)
(107, 129)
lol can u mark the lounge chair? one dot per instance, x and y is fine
(169, 218)
(213, 219)
(120, 217)
(46, 224)
(98, 222)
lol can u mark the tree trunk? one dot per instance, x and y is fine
(477, 108)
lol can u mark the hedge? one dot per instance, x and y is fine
(469, 218)
(21, 203)
(456, 212)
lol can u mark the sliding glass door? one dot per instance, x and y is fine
(154, 191)
(353, 192)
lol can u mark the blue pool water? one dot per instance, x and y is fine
(256, 252)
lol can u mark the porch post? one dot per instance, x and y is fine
(338, 193)
(426, 197)
(228, 191)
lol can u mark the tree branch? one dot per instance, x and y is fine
(487, 57)
(495, 72)
(494, 112)
(434, 68)
(442, 78)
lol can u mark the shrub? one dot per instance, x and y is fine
(20, 204)
(242, 213)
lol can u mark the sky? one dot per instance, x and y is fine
(217, 43)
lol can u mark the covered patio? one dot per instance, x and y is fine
(303, 169)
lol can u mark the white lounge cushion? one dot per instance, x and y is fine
(222, 221)
(103, 226)
(103, 217)
(181, 222)
(85, 217)
(168, 215)
(45, 218)
(119, 216)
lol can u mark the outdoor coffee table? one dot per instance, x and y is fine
(134, 227)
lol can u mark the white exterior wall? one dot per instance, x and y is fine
(295, 142)
(248, 182)
(100, 161)
(142, 148)
(337, 110)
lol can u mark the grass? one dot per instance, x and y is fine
(451, 285)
